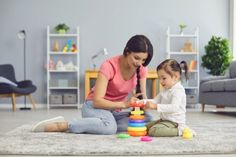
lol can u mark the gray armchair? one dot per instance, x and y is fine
(219, 90)
(9, 87)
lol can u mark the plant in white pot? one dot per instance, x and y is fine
(218, 56)
(62, 28)
(182, 26)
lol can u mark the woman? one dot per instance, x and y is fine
(102, 111)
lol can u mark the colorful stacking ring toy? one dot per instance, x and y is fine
(136, 126)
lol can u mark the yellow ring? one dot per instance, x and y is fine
(137, 112)
(137, 128)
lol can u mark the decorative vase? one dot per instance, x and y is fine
(181, 32)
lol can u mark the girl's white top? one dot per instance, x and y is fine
(171, 103)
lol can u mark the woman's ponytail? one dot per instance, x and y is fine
(138, 86)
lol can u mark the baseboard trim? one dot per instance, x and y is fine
(38, 106)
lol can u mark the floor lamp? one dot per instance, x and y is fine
(22, 36)
(103, 52)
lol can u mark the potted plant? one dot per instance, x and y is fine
(218, 56)
(62, 28)
(182, 26)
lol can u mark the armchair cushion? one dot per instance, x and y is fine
(212, 78)
(218, 85)
(25, 83)
(4, 80)
(230, 85)
(10, 85)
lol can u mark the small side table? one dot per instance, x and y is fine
(93, 74)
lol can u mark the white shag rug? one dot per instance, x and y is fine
(212, 137)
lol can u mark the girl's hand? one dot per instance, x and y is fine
(151, 105)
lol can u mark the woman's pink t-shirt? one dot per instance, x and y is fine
(117, 89)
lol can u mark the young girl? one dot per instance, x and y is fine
(171, 102)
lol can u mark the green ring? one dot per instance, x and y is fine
(122, 135)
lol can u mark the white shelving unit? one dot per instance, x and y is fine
(174, 44)
(62, 83)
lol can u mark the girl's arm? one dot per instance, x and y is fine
(175, 105)
(99, 93)
(151, 103)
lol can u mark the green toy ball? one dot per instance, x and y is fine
(123, 135)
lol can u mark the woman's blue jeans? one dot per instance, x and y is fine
(100, 121)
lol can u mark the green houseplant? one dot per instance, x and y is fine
(62, 28)
(218, 56)
(182, 26)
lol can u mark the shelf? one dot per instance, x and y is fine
(183, 53)
(62, 53)
(183, 36)
(64, 105)
(63, 35)
(63, 87)
(63, 84)
(189, 87)
(63, 71)
(193, 71)
(175, 45)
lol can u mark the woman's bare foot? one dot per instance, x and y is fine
(56, 127)
(40, 126)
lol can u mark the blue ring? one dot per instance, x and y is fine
(136, 121)
(136, 124)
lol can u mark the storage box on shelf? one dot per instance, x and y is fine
(184, 47)
(69, 99)
(63, 68)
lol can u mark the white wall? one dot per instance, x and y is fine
(103, 23)
(233, 27)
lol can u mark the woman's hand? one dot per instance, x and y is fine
(133, 99)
